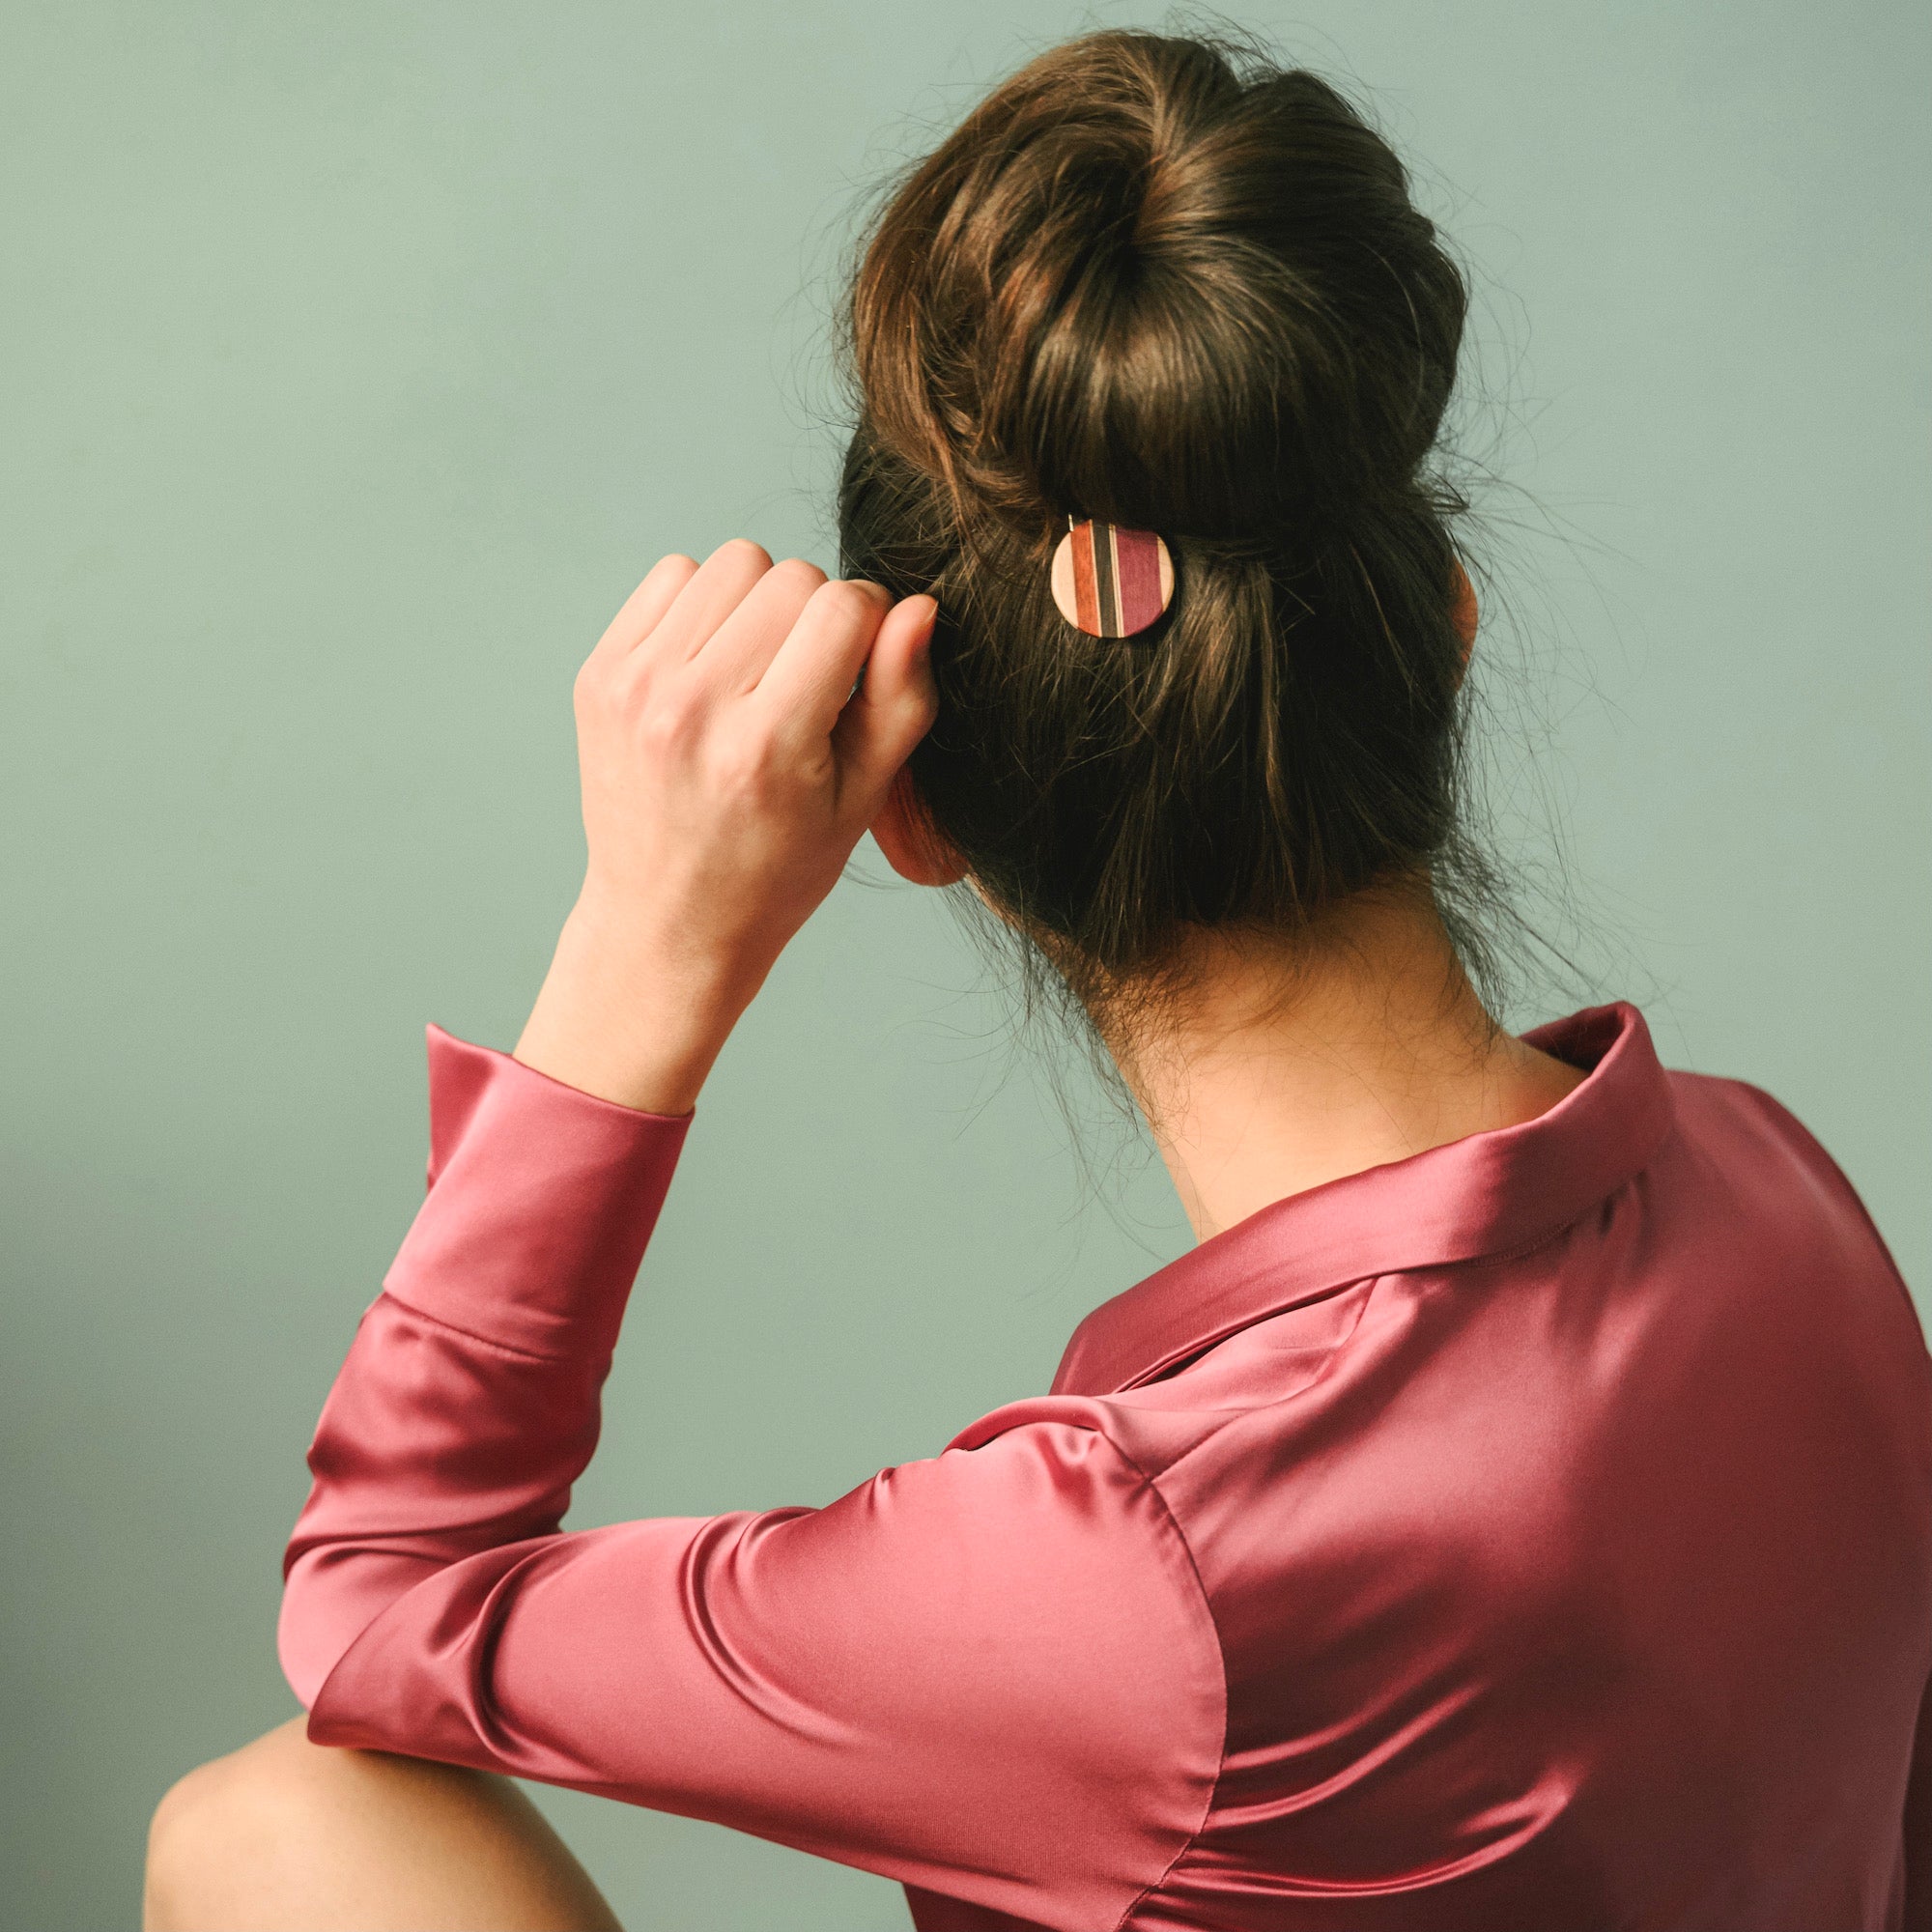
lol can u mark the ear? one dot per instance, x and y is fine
(1463, 609)
(913, 848)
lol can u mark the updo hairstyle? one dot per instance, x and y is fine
(1165, 283)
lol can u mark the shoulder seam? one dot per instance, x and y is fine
(1193, 1837)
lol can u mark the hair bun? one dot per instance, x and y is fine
(1135, 287)
(1153, 284)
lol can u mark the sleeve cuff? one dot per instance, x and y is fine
(541, 1199)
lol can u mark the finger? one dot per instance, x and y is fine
(645, 605)
(811, 674)
(715, 589)
(891, 710)
(737, 653)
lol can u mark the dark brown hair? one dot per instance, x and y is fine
(1166, 283)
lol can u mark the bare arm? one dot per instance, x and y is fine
(728, 769)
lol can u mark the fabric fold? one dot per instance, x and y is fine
(541, 1202)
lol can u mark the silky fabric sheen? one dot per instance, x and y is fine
(1533, 1535)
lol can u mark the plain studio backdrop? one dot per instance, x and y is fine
(358, 359)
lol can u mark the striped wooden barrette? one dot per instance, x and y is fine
(1109, 582)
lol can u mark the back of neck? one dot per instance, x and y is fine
(1288, 1063)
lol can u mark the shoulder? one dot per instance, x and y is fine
(1722, 1113)
(1773, 1165)
(1728, 1116)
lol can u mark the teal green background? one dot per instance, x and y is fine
(356, 360)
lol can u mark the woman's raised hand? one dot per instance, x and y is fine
(728, 768)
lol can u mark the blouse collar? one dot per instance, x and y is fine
(1487, 1194)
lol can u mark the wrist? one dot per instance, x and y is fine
(631, 1016)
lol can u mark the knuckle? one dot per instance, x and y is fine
(799, 572)
(669, 723)
(745, 766)
(847, 600)
(743, 552)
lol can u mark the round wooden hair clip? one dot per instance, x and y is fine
(1109, 582)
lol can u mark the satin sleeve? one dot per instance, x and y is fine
(990, 1674)
(1917, 1850)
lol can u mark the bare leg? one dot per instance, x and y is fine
(284, 1835)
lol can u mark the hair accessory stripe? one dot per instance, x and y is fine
(1110, 581)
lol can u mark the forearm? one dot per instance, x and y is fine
(468, 1402)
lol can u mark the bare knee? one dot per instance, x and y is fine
(219, 1822)
(283, 1833)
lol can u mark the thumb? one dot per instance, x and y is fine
(891, 710)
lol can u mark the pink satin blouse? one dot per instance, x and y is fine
(1534, 1535)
